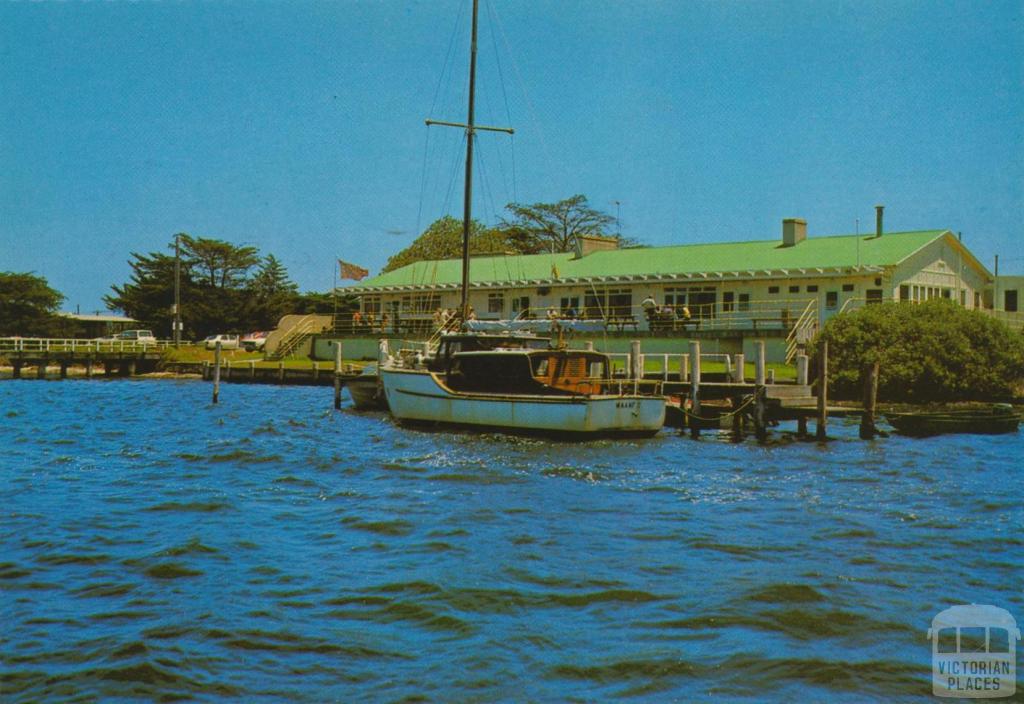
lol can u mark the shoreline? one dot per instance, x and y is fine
(325, 375)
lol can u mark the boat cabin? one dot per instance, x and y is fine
(524, 371)
(475, 342)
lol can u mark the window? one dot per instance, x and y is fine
(620, 301)
(569, 306)
(421, 303)
(831, 299)
(972, 639)
(977, 299)
(608, 302)
(947, 293)
(998, 640)
(744, 301)
(812, 288)
(521, 306)
(495, 302)
(773, 290)
(371, 304)
(847, 287)
(702, 301)
(1010, 301)
(794, 289)
(946, 641)
(873, 295)
(904, 292)
(727, 301)
(878, 281)
(675, 296)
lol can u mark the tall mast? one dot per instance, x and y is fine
(467, 204)
(471, 128)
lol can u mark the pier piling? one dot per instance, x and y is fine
(867, 418)
(801, 369)
(216, 372)
(694, 388)
(821, 433)
(739, 371)
(337, 374)
(760, 414)
(636, 360)
(759, 362)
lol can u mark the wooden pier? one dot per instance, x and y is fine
(117, 357)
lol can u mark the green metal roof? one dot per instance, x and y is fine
(746, 258)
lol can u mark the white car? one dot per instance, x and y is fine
(227, 342)
(254, 341)
(146, 336)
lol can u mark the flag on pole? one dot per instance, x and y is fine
(352, 271)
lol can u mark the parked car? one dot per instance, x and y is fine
(254, 341)
(227, 342)
(137, 336)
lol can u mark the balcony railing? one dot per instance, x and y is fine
(780, 314)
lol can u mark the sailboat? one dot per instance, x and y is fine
(513, 383)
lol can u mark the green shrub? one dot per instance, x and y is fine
(936, 351)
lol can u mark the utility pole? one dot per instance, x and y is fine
(177, 290)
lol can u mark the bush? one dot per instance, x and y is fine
(936, 351)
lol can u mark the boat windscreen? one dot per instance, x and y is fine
(497, 373)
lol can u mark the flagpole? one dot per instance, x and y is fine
(334, 295)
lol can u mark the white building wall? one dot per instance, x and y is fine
(933, 273)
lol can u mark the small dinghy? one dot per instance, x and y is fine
(994, 420)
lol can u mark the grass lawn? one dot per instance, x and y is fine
(197, 354)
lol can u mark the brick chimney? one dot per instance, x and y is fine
(585, 244)
(794, 231)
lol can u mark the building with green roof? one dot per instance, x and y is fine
(773, 288)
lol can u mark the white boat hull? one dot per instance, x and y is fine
(420, 396)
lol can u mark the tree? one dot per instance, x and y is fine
(217, 263)
(443, 240)
(149, 296)
(28, 306)
(271, 294)
(218, 294)
(553, 227)
(936, 351)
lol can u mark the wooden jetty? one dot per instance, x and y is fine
(120, 357)
(697, 400)
(250, 373)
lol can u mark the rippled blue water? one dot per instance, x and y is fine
(154, 546)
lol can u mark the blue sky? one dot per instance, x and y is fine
(297, 127)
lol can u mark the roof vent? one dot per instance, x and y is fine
(585, 244)
(794, 231)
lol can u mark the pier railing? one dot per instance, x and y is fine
(37, 345)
